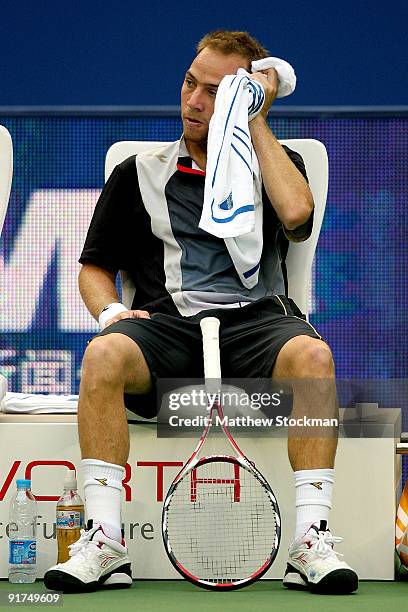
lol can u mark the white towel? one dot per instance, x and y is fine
(232, 207)
(286, 73)
(28, 403)
(231, 162)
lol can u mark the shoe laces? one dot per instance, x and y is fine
(79, 547)
(323, 542)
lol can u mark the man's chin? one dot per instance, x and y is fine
(195, 135)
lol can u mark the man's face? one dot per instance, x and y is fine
(200, 88)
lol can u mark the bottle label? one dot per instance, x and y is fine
(22, 552)
(69, 519)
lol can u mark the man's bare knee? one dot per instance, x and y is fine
(316, 358)
(303, 356)
(115, 359)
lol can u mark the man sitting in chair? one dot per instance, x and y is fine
(146, 222)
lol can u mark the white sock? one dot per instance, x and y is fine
(313, 497)
(103, 488)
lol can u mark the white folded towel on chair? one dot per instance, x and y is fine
(27, 403)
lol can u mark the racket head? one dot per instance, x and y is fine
(221, 523)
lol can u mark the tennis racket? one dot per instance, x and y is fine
(221, 521)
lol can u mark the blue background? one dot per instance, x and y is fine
(128, 53)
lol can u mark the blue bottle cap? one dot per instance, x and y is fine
(23, 482)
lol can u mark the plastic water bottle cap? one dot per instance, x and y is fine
(23, 483)
(70, 481)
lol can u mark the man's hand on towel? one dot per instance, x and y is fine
(270, 81)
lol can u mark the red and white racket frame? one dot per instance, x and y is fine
(212, 371)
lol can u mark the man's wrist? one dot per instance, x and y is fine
(109, 311)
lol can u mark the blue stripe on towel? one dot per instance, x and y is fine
(243, 209)
(228, 116)
(258, 96)
(251, 272)
(243, 142)
(244, 160)
(243, 131)
(225, 129)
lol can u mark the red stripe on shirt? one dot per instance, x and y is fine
(190, 170)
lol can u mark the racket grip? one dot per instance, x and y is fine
(211, 348)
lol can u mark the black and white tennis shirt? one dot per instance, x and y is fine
(146, 223)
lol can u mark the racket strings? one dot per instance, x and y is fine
(221, 522)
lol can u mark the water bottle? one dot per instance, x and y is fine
(70, 516)
(22, 535)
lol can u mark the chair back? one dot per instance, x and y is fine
(6, 171)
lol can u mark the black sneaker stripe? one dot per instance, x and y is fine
(56, 580)
(292, 570)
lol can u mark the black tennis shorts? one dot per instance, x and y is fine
(250, 340)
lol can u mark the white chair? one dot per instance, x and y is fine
(300, 256)
(6, 171)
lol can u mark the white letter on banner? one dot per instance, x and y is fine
(55, 223)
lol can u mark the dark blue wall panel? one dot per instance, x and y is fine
(129, 53)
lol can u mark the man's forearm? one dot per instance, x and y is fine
(286, 188)
(97, 288)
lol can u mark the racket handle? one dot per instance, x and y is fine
(211, 348)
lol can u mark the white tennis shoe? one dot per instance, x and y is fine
(314, 565)
(95, 562)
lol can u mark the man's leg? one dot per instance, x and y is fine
(112, 364)
(308, 363)
(305, 359)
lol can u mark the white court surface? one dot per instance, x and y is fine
(367, 478)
